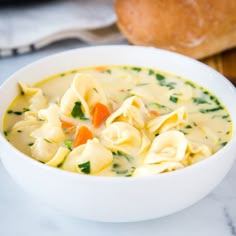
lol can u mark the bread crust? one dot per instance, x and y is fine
(197, 28)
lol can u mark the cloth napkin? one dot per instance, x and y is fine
(31, 27)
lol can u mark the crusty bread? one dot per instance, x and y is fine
(197, 28)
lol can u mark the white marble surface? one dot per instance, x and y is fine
(21, 215)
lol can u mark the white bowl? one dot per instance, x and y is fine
(119, 199)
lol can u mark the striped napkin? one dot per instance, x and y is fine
(31, 27)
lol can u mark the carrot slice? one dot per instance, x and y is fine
(155, 113)
(84, 133)
(101, 112)
(101, 68)
(66, 124)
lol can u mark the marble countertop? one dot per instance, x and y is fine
(21, 215)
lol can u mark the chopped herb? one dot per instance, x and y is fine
(164, 83)
(206, 92)
(143, 84)
(10, 112)
(108, 71)
(47, 140)
(206, 137)
(173, 99)
(217, 102)
(125, 172)
(95, 90)
(227, 132)
(160, 77)
(214, 99)
(73, 71)
(25, 109)
(157, 105)
(59, 165)
(225, 117)
(85, 167)
(30, 144)
(77, 111)
(223, 144)
(199, 100)
(120, 153)
(183, 132)
(131, 171)
(19, 131)
(160, 106)
(210, 110)
(170, 85)
(22, 93)
(68, 144)
(190, 84)
(138, 69)
(151, 72)
(195, 124)
(115, 165)
(17, 112)
(122, 172)
(5, 133)
(62, 75)
(188, 127)
(156, 134)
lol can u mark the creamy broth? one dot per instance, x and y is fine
(157, 122)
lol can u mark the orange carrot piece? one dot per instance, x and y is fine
(101, 112)
(155, 113)
(66, 124)
(101, 68)
(84, 133)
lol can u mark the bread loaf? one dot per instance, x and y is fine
(197, 28)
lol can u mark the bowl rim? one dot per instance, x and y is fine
(219, 154)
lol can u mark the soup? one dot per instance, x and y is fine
(117, 121)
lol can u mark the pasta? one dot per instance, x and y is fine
(84, 89)
(168, 146)
(93, 153)
(117, 121)
(132, 111)
(169, 121)
(122, 136)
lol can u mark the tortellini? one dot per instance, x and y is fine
(168, 146)
(50, 115)
(50, 132)
(117, 121)
(157, 168)
(173, 120)
(132, 111)
(121, 136)
(43, 150)
(84, 89)
(27, 126)
(59, 157)
(37, 100)
(93, 152)
(51, 128)
(198, 151)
